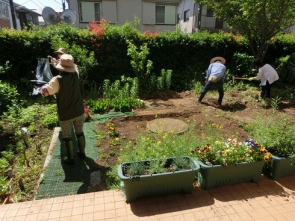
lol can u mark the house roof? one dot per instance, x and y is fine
(20, 8)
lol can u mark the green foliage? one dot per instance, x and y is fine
(156, 166)
(4, 185)
(134, 168)
(231, 152)
(116, 104)
(4, 167)
(38, 115)
(104, 56)
(94, 92)
(139, 62)
(49, 116)
(6, 68)
(8, 96)
(276, 132)
(8, 155)
(259, 20)
(112, 178)
(125, 88)
(181, 163)
(84, 58)
(275, 102)
(242, 65)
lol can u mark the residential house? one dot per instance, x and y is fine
(5, 14)
(153, 15)
(23, 15)
(193, 17)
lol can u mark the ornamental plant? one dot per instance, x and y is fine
(231, 152)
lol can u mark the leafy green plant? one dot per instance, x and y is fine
(157, 166)
(8, 96)
(8, 155)
(4, 185)
(275, 102)
(135, 168)
(93, 93)
(117, 104)
(123, 88)
(276, 132)
(181, 163)
(4, 167)
(140, 64)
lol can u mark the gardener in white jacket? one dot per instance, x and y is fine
(267, 75)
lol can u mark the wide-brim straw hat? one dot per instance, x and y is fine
(221, 59)
(60, 51)
(66, 64)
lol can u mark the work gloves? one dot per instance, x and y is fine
(251, 79)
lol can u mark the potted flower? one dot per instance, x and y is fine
(277, 133)
(230, 162)
(157, 177)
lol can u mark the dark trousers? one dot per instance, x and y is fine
(265, 90)
(211, 86)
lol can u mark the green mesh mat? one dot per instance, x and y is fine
(103, 118)
(60, 179)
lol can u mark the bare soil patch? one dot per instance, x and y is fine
(238, 108)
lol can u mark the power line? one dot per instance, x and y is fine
(57, 2)
(41, 3)
(36, 4)
(24, 3)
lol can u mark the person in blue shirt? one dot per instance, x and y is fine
(214, 78)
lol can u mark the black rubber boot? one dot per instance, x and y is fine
(201, 98)
(81, 144)
(69, 159)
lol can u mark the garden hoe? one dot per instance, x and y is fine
(239, 78)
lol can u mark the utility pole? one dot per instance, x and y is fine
(63, 4)
(12, 13)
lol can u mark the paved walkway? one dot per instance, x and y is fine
(267, 200)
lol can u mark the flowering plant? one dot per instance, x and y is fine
(231, 152)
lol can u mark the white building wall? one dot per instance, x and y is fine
(187, 26)
(121, 11)
(109, 11)
(149, 14)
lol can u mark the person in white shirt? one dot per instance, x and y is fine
(267, 76)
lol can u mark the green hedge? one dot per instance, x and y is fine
(187, 55)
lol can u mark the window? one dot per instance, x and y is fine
(165, 14)
(4, 11)
(90, 11)
(210, 13)
(186, 15)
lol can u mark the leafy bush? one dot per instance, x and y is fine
(277, 137)
(8, 96)
(117, 104)
(4, 185)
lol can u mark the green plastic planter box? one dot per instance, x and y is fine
(158, 184)
(279, 167)
(218, 175)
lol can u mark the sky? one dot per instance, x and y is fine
(37, 4)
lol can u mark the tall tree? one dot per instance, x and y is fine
(257, 20)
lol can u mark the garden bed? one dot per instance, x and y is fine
(236, 110)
